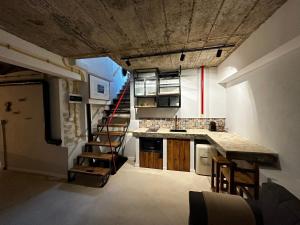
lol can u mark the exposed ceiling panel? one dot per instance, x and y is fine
(118, 28)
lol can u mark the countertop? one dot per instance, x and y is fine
(230, 145)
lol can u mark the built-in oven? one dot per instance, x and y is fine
(151, 144)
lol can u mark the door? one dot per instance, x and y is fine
(178, 154)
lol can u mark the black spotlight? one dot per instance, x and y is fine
(182, 56)
(219, 52)
(124, 72)
(127, 62)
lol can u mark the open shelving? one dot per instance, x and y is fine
(153, 89)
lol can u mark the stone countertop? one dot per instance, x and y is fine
(165, 133)
(230, 145)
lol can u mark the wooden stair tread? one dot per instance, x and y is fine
(96, 155)
(114, 125)
(111, 133)
(90, 170)
(118, 110)
(114, 144)
(239, 177)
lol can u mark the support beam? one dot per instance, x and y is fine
(16, 51)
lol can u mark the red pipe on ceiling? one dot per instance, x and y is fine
(202, 90)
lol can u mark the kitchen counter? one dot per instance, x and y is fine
(230, 145)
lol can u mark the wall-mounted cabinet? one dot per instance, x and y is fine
(145, 88)
(145, 83)
(145, 102)
(169, 101)
(154, 89)
(169, 91)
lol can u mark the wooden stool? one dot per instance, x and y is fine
(242, 178)
(220, 161)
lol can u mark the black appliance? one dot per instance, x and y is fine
(151, 144)
(212, 126)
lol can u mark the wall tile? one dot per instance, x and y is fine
(183, 123)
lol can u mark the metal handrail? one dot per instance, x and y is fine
(110, 120)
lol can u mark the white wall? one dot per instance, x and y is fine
(190, 98)
(264, 106)
(280, 28)
(107, 69)
(27, 149)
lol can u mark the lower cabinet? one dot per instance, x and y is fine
(178, 154)
(151, 159)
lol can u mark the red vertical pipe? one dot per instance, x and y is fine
(202, 90)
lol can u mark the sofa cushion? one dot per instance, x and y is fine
(198, 209)
(198, 213)
(279, 206)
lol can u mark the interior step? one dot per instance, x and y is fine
(122, 105)
(113, 125)
(124, 100)
(120, 108)
(119, 111)
(111, 133)
(90, 170)
(101, 172)
(126, 95)
(114, 144)
(96, 155)
(121, 115)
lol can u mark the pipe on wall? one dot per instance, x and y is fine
(65, 65)
(202, 90)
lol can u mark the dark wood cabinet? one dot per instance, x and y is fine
(178, 151)
(151, 152)
(151, 159)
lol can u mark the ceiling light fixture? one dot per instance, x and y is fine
(127, 62)
(219, 53)
(182, 56)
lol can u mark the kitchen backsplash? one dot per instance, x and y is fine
(183, 123)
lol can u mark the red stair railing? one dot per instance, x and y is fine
(110, 120)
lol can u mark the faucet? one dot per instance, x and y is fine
(176, 123)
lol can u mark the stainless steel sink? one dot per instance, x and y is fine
(177, 130)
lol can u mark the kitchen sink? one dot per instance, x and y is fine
(177, 130)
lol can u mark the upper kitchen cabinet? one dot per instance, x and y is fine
(157, 89)
(145, 88)
(169, 91)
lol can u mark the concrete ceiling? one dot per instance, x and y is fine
(6, 68)
(118, 28)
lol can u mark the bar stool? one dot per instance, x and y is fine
(246, 179)
(219, 161)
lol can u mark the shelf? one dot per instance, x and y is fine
(168, 94)
(167, 85)
(145, 96)
(145, 106)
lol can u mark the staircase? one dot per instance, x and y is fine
(100, 157)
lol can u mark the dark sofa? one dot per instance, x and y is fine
(276, 206)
